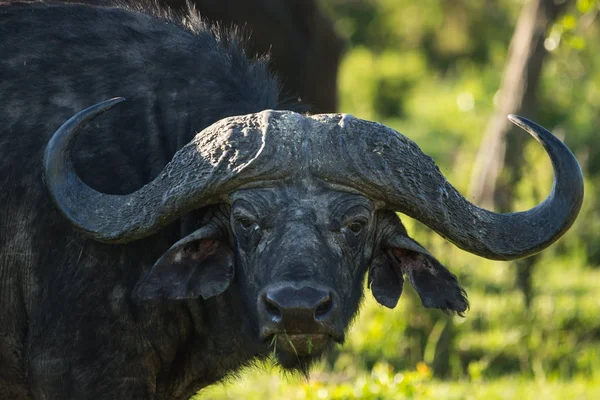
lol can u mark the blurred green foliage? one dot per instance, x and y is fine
(431, 69)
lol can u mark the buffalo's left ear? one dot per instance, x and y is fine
(436, 286)
(199, 265)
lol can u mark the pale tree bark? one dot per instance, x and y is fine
(501, 150)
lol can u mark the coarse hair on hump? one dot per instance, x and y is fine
(232, 40)
(190, 19)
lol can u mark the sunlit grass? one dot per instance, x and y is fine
(385, 383)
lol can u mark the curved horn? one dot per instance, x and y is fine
(389, 167)
(213, 163)
(271, 145)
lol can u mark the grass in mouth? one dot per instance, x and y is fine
(274, 345)
(291, 344)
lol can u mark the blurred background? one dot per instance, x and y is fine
(446, 73)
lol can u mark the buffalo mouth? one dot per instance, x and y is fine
(297, 351)
(302, 344)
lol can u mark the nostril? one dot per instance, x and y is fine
(272, 308)
(324, 308)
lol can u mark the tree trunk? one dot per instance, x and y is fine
(517, 95)
(501, 150)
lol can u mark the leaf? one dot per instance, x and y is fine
(585, 6)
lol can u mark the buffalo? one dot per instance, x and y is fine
(151, 249)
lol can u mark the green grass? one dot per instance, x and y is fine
(384, 383)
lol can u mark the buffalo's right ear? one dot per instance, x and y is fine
(199, 265)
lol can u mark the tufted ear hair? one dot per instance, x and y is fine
(199, 265)
(401, 256)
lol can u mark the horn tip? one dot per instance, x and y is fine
(116, 100)
(516, 119)
(104, 106)
(531, 127)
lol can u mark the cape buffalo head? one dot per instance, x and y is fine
(296, 209)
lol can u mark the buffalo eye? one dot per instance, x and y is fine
(249, 232)
(245, 222)
(356, 226)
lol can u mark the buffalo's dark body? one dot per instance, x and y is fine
(68, 326)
